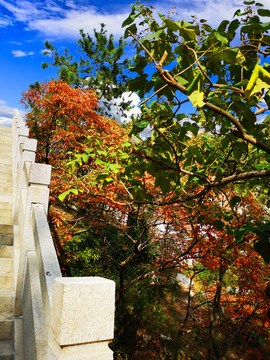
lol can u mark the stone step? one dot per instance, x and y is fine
(5, 212)
(6, 281)
(6, 217)
(6, 350)
(6, 239)
(5, 134)
(5, 137)
(5, 143)
(6, 300)
(5, 181)
(5, 205)
(6, 265)
(5, 159)
(6, 196)
(5, 174)
(5, 178)
(18, 339)
(6, 326)
(6, 229)
(5, 189)
(5, 130)
(6, 166)
(6, 251)
(5, 149)
(6, 220)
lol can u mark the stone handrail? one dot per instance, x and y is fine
(63, 318)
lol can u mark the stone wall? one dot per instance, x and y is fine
(63, 318)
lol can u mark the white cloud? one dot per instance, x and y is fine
(64, 19)
(70, 25)
(5, 21)
(23, 10)
(214, 11)
(47, 51)
(6, 114)
(134, 110)
(15, 42)
(55, 21)
(19, 53)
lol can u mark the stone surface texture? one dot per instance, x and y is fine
(83, 310)
(42, 315)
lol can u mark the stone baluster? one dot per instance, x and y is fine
(38, 179)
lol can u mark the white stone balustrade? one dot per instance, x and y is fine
(63, 318)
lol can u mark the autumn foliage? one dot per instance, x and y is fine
(141, 211)
(65, 122)
(100, 230)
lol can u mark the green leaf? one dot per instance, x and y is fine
(234, 25)
(99, 162)
(260, 79)
(219, 224)
(239, 235)
(115, 168)
(181, 80)
(225, 142)
(235, 200)
(161, 16)
(163, 183)
(223, 25)
(85, 157)
(138, 82)
(154, 36)
(248, 118)
(263, 12)
(262, 247)
(249, 2)
(233, 56)
(237, 12)
(187, 33)
(194, 91)
(142, 124)
(132, 29)
(173, 25)
(132, 16)
(222, 39)
(62, 196)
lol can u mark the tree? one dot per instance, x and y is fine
(102, 67)
(225, 80)
(64, 120)
(185, 199)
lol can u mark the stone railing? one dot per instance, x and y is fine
(63, 318)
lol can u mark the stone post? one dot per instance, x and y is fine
(82, 317)
(38, 179)
(26, 153)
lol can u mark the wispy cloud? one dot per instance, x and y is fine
(214, 11)
(134, 110)
(64, 20)
(5, 21)
(6, 114)
(70, 25)
(20, 53)
(15, 42)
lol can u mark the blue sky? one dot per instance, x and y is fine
(26, 25)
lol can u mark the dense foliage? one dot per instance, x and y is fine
(189, 200)
(101, 67)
